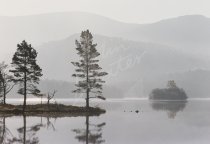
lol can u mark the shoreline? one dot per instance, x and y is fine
(51, 110)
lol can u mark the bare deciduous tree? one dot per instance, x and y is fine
(50, 96)
(6, 81)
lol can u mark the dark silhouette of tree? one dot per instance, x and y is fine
(87, 68)
(6, 81)
(171, 84)
(50, 96)
(172, 92)
(90, 136)
(168, 94)
(26, 71)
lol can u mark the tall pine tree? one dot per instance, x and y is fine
(87, 69)
(26, 71)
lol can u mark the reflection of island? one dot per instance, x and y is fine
(171, 107)
(88, 135)
(172, 92)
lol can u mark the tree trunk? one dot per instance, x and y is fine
(24, 103)
(87, 80)
(24, 129)
(4, 98)
(3, 131)
(87, 129)
(87, 99)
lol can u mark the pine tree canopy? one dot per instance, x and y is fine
(26, 71)
(87, 68)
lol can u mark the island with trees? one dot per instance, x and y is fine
(172, 92)
(25, 73)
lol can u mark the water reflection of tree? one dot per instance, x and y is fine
(92, 134)
(49, 124)
(27, 135)
(5, 133)
(171, 107)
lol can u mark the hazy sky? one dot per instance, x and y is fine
(138, 11)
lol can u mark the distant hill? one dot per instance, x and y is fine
(138, 57)
(187, 33)
(135, 68)
(64, 90)
(38, 29)
(195, 83)
(120, 58)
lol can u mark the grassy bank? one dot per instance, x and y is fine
(51, 110)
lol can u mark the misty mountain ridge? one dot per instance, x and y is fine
(48, 27)
(186, 33)
(150, 65)
(56, 57)
(195, 83)
(138, 57)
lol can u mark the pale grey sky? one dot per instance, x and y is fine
(135, 11)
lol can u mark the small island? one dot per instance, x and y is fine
(26, 73)
(172, 92)
(49, 110)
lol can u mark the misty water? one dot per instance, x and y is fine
(131, 121)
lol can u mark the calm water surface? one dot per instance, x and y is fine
(155, 123)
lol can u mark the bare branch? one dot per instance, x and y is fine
(10, 88)
(51, 95)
